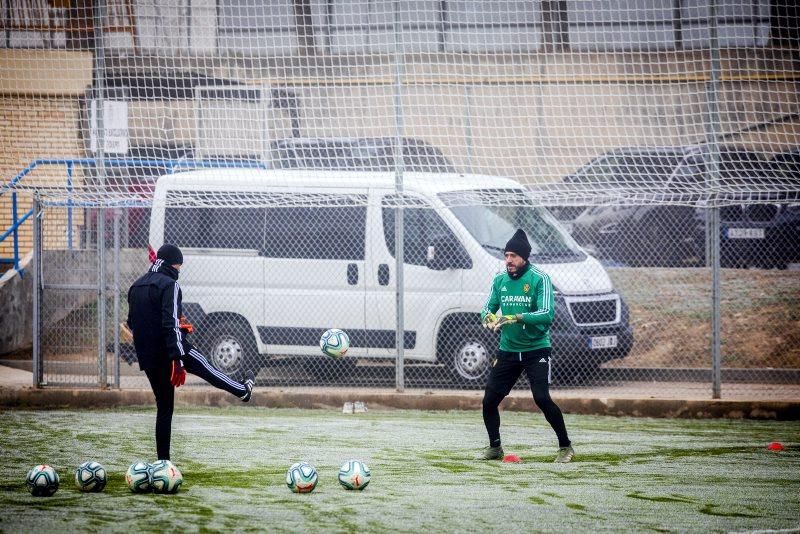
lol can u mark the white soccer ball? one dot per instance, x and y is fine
(301, 477)
(138, 477)
(354, 475)
(334, 343)
(42, 481)
(90, 476)
(165, 477)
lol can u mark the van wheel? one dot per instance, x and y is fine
(230, 347)
(469, 353)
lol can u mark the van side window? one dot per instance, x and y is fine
(318, 233)
(226, 228)
(422, 225)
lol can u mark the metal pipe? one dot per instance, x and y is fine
(100, 17)
(115, 323)
(713, 226)
(398, 220)
(70, 169)
(15, 225)
(37, 297)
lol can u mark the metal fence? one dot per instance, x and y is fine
(651, 153)
(262, 281)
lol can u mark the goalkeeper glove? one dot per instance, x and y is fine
(185, 325)
(489, 320)
(178, 376)
(504, 320)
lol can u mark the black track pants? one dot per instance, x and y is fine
(506, 369)
(159, 377)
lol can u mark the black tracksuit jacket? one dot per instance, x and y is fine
(154, 311)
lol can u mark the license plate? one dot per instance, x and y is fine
(745, 233)
(602, 342)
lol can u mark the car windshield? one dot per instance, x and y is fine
(493, 225)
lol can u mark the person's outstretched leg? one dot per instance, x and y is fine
(198, 365)
(165, 404)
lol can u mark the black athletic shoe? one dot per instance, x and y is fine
(493, 453)
(249, 383)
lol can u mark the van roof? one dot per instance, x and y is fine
(427, 182)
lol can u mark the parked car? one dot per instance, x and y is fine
(636, 169)
(340, 263)
(764, 234)
(639, 233)
(668, 231)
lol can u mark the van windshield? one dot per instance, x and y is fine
(492, 226)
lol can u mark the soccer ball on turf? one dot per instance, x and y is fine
(301, 477)
(42, 481)
(334, 343)
(138, 477)
(90, 476)
(165, 477)
(354, 475)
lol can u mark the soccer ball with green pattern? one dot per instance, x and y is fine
(301, 477)
(91, 477)
(354, 475)
(138, 477)
(334, 343)
(42, 481)
(165, 477)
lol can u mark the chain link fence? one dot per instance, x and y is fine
(264, 277)
(361, 165)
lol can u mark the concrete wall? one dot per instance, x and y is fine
(16, 309)
(61, 267)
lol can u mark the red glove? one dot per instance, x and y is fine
(178, 373)
(185, 325)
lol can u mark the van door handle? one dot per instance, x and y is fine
(352, 274)
(383, 274)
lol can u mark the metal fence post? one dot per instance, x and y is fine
(115, 288)
(37, 294)
(713, 212)
(99, 71)
(398, 221)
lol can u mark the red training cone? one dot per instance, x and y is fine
(512, 459)
(775, 446)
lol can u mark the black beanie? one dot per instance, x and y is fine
(170, 254)
(519, 245)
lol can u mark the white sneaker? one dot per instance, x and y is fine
(347, 408)
(359, 407)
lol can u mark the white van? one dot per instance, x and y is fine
(300, 251)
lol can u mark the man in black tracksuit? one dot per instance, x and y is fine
(159, 336)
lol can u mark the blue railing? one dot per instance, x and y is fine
(171, 165)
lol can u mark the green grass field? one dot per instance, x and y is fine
(629, 475)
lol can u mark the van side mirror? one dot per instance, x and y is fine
(446, 253)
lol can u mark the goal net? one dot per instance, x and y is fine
(621, 134)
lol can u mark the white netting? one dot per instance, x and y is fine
(607, 128)
(620, 98)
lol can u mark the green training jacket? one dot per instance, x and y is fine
(530, 295)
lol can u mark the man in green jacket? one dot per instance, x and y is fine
(524, 296)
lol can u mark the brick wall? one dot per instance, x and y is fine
(34, 127)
